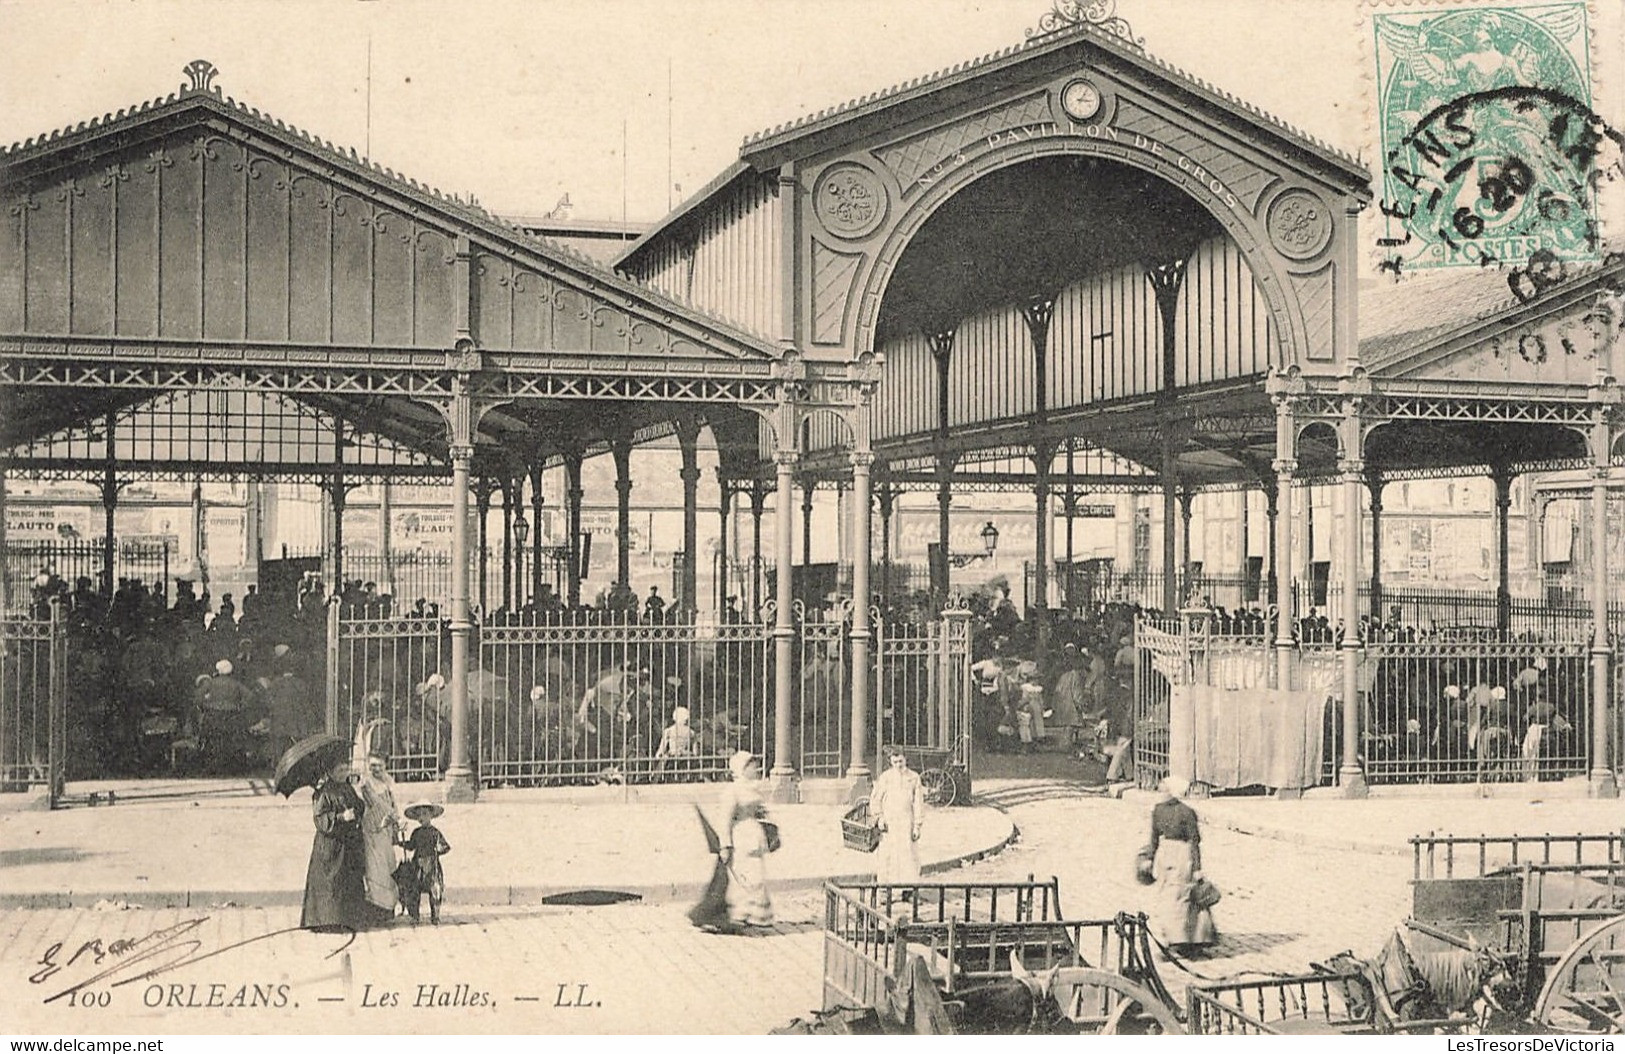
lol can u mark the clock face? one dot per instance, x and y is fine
(1081, 100)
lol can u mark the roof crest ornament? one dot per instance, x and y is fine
(201, 73)
(1101, 14)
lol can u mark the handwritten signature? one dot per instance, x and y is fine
(132, 959)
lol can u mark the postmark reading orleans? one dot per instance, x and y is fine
(1491, 152)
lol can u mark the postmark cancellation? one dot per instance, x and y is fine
(1490, 151)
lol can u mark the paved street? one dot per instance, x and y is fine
(644, 968)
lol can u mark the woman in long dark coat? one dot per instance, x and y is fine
(335, 894)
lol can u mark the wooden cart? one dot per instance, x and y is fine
(946, 957)
(1552, 907)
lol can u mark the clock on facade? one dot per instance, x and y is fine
(1080, 100)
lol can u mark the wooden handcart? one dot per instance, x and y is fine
(1550, 907)
(947, 957)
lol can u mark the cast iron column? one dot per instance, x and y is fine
(1285, 465)
(1186, 498)
(1602, 780)
(1501, 476)
(109, 508)
(758, 505)
(1043, 455)
(888, 500)
(1373, 486)
(508, 502)
(725, 503)
(1272, 512)
(460, 783)
(572, 514)
(807, 487)
(858, 771)
(688, 437)
(537, 501)
(1353, 469)
(483, 489)
(1170, 504)
(622, 451)
(784, 631)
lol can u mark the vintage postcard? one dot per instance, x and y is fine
(730, 517)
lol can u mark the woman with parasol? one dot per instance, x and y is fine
(380, 822)
(335, 897)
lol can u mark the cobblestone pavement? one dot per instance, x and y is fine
(1284, 906)
(645, 969)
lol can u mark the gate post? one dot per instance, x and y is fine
(57, 733)
(1601, 777)
(333, 666)
(958, 646)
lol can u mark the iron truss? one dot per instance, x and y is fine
(415, 374)
(177, 473)
(1575, 407)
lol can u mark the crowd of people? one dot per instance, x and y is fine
(185, 685)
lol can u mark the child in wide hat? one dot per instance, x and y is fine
(425, 846)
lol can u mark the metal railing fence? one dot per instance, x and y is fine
(70, 560)
(33, 693)
(394, 669)
(1453, 711)
(574, 700)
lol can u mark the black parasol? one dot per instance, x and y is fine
(308, 760)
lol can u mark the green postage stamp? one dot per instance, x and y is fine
(1491, 152)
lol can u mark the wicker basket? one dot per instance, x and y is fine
(859, 830)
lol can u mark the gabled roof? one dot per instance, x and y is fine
(1401, 320)
(781, 136)
(39, 156)
(767, 150)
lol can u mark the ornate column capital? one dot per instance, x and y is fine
(862, 459)
(462, 451)
(1284, 466)
(689, 474)
(786, 459)
(1352, 469)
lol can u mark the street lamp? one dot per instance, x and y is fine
(990, 538)
(521, 533)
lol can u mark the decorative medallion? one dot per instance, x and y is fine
(1300, 224)
(1081, 100)
(850, 200)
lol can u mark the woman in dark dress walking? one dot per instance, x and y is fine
(335, 892)
(1182, 921)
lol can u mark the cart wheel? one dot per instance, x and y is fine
(1083, 993)
(1585, 988)
(939, 787)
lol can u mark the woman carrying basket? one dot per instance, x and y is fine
(1182, 917)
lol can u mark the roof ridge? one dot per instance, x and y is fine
(1077, 30)
(467, 208)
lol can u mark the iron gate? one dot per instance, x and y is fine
(821, 722)
(584, 699)
(394, 669)
(33, 703)
(922, 689)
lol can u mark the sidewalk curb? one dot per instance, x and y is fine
(1278, 834)
(472, 896)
